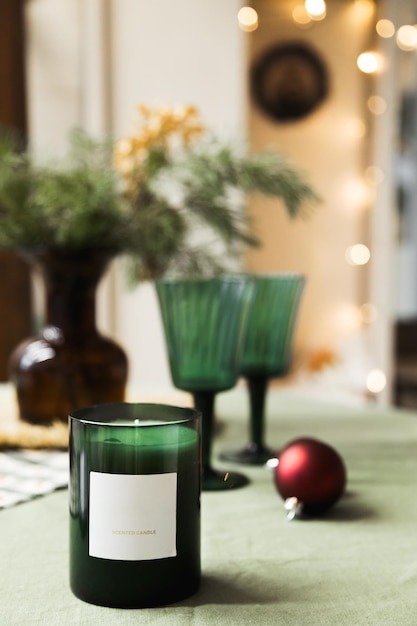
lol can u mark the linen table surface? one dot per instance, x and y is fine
(357, 565)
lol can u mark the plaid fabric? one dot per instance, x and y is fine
(27, 474)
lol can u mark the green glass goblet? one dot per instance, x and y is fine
(267, 352)
(204, 322)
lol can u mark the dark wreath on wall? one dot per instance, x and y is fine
(289, 81)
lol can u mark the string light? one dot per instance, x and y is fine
(377, 105)
(407, 38)
(364, 9)
(357, 254)
(349, 318)
(355, 127)
(247, 19)
(352, 317)
(356, 193)
(301, 16)
(316, 9)
(376, 381)
(369, 62)
(374, 175)
(385, 28)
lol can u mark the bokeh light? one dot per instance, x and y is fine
(356, 194)
(301, 16)
(355, 127)
(247, 19)
(376, 381)
(316, 9)
(377, 105)
(407, 38)
(369, 62)
(364, 9)
(385, 28)
(374, 175)
(349, 318)
(358, 254)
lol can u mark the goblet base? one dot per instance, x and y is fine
(252, 454)
(218, 480)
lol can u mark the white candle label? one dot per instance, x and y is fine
(133, 517)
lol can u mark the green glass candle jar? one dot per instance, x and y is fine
(135, 481)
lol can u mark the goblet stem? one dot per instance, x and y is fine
(212, 480)
(257, 386)
(204, 402)
(255, 452)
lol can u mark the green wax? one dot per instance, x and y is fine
(135, 449)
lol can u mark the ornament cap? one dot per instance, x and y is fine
(294, 507)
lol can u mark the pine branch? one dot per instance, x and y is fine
(78, 203)
(270, 175)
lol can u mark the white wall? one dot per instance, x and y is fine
(89, 63)
(170, 53)
(54, 88)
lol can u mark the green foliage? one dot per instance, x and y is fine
(71, 204)
(78, 203)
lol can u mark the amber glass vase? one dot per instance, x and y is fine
(70, 364)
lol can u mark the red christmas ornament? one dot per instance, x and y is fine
(310, 476)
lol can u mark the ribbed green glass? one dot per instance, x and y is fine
(267, 351)
(271, 322)
(204, 322)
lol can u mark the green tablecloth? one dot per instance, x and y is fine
(357, 565)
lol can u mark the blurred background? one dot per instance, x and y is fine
(349, 66)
